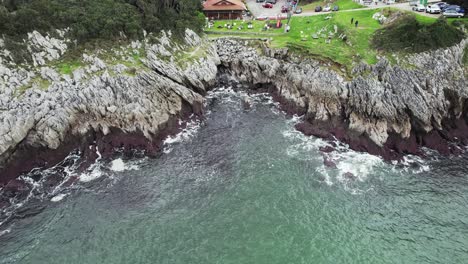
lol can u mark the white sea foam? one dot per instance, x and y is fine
(93, 174)
(360, 165)
(58, 198)
(117, 165)
(186, 134)
(4, 232)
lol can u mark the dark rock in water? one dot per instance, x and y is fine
(4, 203)
(329, 163)
(350, 176)
(54, 180)
(327, 149)
(16, 187)
(71, 180)
(246, 103)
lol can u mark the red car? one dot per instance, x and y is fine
(267, 5)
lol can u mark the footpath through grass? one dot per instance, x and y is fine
(342, 4)
(319, 36)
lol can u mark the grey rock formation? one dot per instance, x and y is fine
(379, 100)
(97, 99)
(40, 106)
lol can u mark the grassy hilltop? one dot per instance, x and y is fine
(309, 35)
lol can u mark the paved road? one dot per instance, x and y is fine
(257, 10)
(402, 6)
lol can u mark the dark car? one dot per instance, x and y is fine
(260, 1)
(284, 9)
(335, 8)
(271, 1)
(318, 9)
(442, 5)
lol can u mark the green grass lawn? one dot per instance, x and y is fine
(299, 39)
(342, 4)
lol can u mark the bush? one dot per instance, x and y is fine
(94, 19)
(407, 34)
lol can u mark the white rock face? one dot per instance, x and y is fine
(88, 101)
(382, 99)
(46, 48)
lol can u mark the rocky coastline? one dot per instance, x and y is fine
(384, 109)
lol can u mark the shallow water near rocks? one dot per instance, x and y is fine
(243, 186)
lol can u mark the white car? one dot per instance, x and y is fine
(327, 9)
(433, 9)
(419, 8)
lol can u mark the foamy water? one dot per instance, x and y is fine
(246, 185)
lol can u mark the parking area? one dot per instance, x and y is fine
(258, 10)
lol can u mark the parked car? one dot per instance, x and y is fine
(298, 10)
(318, 9)
(267, 5)
(419, 8)
(413, 2)
(456, 8)
(284, 9)
(390, 2)
(336, 8)
(271, 1)
(327, 8)
(452, 13)
(260, 1)
(262, 17)
(433, 9)
(442, 5)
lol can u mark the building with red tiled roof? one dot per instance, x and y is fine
(224, 9)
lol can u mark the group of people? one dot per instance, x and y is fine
(356, 23)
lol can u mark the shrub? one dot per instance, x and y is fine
(409, 35)
(94, 19)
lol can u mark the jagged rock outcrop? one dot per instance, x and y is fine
(96, 99)
(143, 87)
(396, 108)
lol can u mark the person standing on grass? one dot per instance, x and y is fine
(352, 20)
(357, 22)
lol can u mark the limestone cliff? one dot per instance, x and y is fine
(41, 108)
(384, 109)
(144, 88)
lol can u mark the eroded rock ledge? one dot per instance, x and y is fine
(39, 127)
(383, 109)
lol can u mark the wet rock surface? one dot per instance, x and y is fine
(382, 109)
(39, 128)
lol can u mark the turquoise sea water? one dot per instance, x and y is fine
(244, 187)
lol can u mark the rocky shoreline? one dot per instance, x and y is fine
(384, 109)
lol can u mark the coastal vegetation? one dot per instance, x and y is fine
(103, 19)
(342, 4)
(410, 35)
(332, 37)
